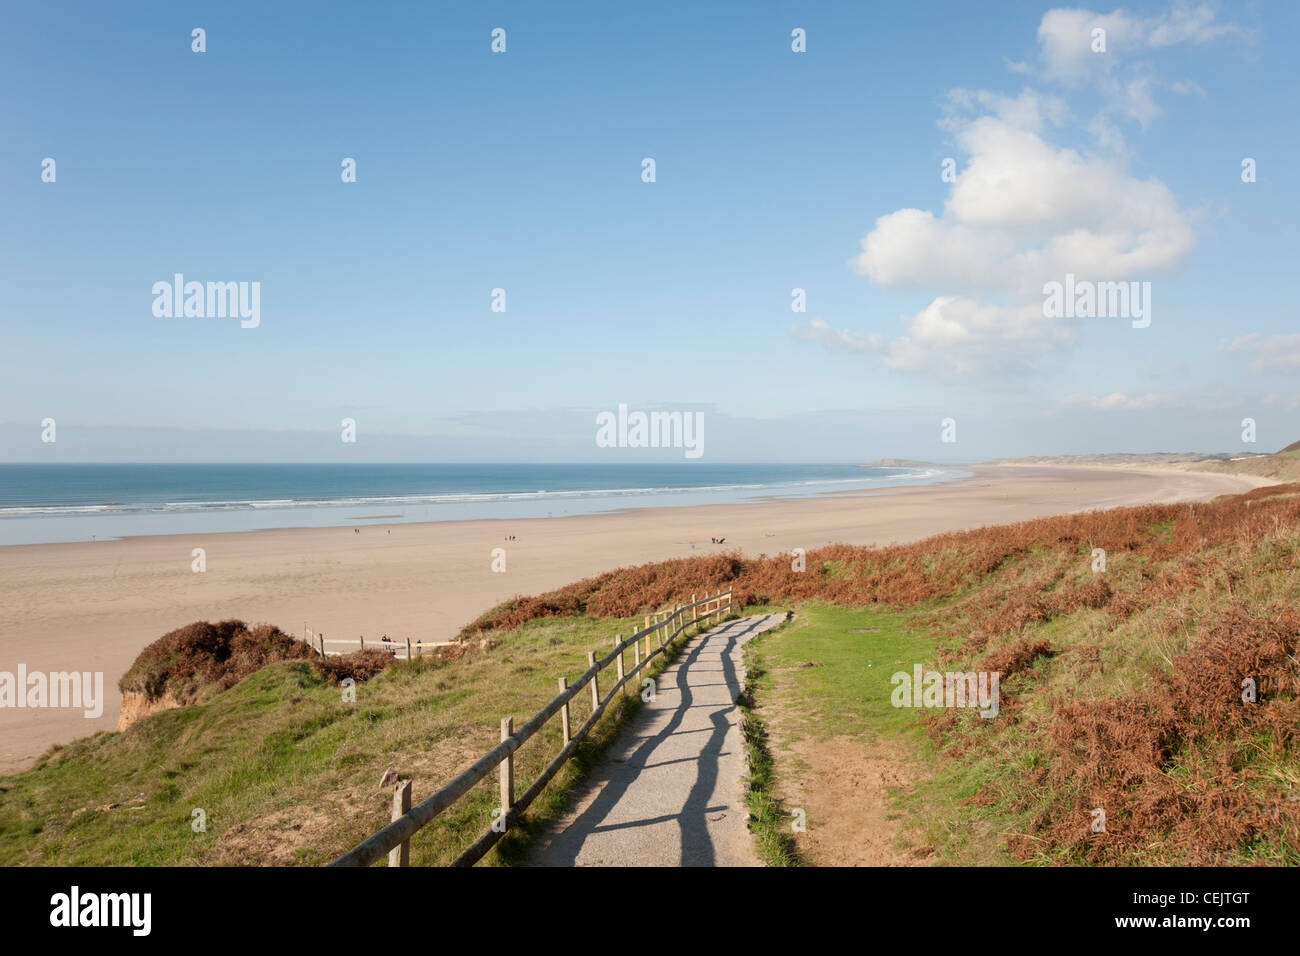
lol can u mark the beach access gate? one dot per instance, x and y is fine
(658, 633)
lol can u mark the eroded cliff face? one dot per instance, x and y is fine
(136, 706)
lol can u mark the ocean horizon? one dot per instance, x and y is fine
(51, 503)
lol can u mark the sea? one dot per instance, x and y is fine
(44, 503)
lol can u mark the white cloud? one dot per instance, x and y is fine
(1277, 353)
(1021, 213)
(844, 340)
(1118, 401)
(956, 337)
(1025, 211)
(1239, 344)
(1066, 53)
(1065, 43)
(1065, 38)
(1030, 110)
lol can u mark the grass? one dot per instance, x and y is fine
(1019, 788)
(826, 675)
(768, 819)
(854, 652)
(285, 772)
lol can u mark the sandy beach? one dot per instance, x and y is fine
(93, 606)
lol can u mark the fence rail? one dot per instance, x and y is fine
(394, 839)
(401, 648)
(404, 648)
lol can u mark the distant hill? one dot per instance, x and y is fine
(1283, 466)
(1118, 458)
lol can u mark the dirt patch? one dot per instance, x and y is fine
(843, 785)
(274, 839)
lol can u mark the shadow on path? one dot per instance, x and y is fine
(673, 774)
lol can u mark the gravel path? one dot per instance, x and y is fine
(668, 792)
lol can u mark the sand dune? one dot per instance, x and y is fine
(92, 607)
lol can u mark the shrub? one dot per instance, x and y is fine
(200, 660)
(359, 665)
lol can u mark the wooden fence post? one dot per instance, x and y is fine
(363, 642)
(564, 711)
(618, 640)
(636, 650)
(507, 769)
(400, 855)
(408, 649)
(595, 681)
(695, 610)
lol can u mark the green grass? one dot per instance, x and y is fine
(286, 772)
(959, 809)
(768, 819)
(846, 692)
(855, 651)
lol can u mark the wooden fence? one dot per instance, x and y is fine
(395, 838)
(402, 648)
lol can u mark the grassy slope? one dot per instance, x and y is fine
(288, 773)
(1284, 466)
(980, 782)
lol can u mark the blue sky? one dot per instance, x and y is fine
(522, 171)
